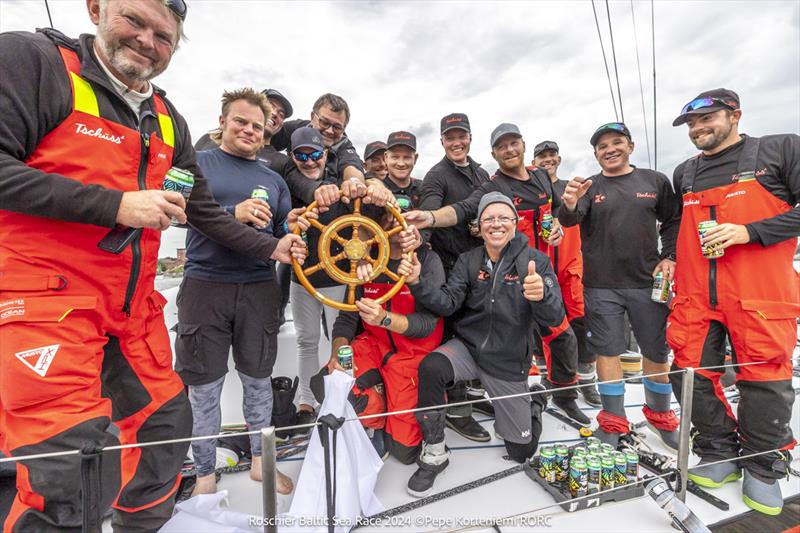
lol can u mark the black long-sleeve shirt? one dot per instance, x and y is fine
(36, 96)
(447, 183)
(619, 230)
(777, 170)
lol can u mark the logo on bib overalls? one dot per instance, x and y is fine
(39, 359)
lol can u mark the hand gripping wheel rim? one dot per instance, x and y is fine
(354, 250)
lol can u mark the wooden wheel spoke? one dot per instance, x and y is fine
(338, 238)
(316, 223)
(370, 242)
(357, 206)
(312, 269)
(351, 293)
(394, 231)
(353, 267)
(338, 257)
(371, 260)
(391, 275)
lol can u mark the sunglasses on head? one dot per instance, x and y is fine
(701, 103)
(618, 126)
(314, 156)
(178, 7)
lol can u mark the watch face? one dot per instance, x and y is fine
(386, 321)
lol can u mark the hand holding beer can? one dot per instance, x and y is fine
(180, 181)
(711, 251)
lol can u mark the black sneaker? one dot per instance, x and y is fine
(477, 393)
(589, 392)
(468, 427)
(571, 410)
(305, 417)
(420, 484)
(484, 407)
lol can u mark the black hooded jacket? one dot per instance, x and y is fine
(498, 322)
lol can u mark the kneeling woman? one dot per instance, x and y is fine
(506, 289)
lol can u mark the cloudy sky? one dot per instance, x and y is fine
(403, 65)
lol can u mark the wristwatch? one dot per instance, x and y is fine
(387, 320)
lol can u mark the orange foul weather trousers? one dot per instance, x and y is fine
(750, 294)
(85, 359)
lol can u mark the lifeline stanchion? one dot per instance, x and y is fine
(687, 393)
(268, 484)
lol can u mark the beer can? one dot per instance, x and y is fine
(593, 466)
(547, 464)
(592, 441)
(578, 477)
(345, 354)
(594, 449)
(180, 181)
(709, 251)
(562, 462)
(606, 448)
(579, 452)
(546, 227)
(260, 193)
(661, 288)
(607, 473)
(632, 459)
(620, 469)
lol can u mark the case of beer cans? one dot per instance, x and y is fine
(566, 480)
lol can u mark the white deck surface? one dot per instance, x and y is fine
(469, 461)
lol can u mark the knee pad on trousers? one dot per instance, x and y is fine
(436, 366)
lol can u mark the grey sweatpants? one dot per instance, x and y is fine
(205, 400)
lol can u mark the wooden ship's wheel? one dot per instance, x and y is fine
(354, 250)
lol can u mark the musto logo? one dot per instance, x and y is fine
(99, 133)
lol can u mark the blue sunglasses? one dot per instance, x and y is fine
(701, 103)
(303, 157)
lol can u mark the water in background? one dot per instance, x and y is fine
(171, 240)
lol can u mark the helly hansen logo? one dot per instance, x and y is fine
(646, 195)
(598, 198)
(483, 275)
(99, 133)
(687, 203)
(736, 193)
(511, 277)
(11, 308)
(39, 359)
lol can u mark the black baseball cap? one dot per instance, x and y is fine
(617, 127)
(545, 145)
(504, 129)
(307, 137)
(404, 138)
(373, 148)
(453, 121)
(708, 102)
(287, 107)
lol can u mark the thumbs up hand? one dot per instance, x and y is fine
(533, 285)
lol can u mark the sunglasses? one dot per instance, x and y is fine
(617, 126)
(303, 157)
(178, 7)
(701, 103)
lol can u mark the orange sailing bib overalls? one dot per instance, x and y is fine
(397, 358)
(84, 353)
(753, 291)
